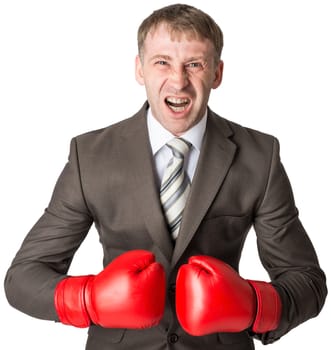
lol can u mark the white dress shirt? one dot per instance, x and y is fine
(159, 136)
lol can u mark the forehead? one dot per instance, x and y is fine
(164, 38)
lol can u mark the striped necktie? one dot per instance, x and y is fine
(175, 185)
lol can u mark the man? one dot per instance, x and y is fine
(173, 192)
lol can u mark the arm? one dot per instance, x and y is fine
(47, 251)
(287, 253)
(211, 296)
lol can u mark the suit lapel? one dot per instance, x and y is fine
(140, 170)
(216, 156)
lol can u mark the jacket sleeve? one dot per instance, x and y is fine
(287, 253)
(47, 251)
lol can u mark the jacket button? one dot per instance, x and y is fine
(173, 338)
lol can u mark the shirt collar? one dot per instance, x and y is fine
(159, 136)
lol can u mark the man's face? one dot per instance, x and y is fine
(178, 73)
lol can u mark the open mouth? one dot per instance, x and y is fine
(177, 104)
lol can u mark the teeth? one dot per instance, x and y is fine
(177, 104)
(177, 101)
(177, 109)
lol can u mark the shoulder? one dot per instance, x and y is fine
(112, 134)
(246, 139)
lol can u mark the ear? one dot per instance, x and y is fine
(218, 75)
(139, 71)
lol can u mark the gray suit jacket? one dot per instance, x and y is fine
(109, 180)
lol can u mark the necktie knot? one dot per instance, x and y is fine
(179, 147)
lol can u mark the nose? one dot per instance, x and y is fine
(179, 78)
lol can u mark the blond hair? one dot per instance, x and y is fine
(180, 18)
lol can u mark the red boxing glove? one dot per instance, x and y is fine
(128, 293)
(211, 297)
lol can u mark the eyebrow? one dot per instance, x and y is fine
(168, 58)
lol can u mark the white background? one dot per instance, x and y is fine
(67, 67)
